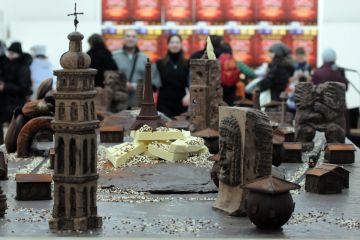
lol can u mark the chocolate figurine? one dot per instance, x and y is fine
(115, 85)
(320, 108)
(75, 171)
(245, 154)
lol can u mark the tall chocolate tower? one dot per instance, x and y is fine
(75, 173)
(148, 113)
(205, 93)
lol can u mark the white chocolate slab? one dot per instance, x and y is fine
(119, 154)
(162, 153)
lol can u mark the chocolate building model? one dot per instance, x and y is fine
(205, 93)
(323, 181)
(148, 113)
(31, 187)
(75, 174)
(3, 167)
(139, 93)
(320, 108)
(3, 205)
(269, 203)
(245, 154)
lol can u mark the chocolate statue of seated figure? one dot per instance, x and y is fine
(320, 108)
(245, 153)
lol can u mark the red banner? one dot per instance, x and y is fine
(151, 46)
(178, 10)
(199, 42)
(239, 10)
(242, 46)
(146, 10)
(302, 10)
(270, 10)
(209, 10)
(116, 10)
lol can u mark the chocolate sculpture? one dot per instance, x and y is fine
(3, 167)
(3, 205)
(148, 114)
(269, 203)
(30, 115)
(28, 133)
(75, 171)
(115, 82)
(245, 154)
(320, 108)
(205, 93)
(113, 96)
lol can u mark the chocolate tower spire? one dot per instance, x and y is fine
(75, 173)
(148, 113)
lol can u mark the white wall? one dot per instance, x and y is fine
(45, 22)
(339, 27)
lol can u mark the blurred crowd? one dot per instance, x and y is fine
(21, 73)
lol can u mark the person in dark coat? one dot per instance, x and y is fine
(173, 80)
(3, 61)
(281, 68)
(15, 86)
(101, 58)
(3, 58)
(330, 72)
(217, 42)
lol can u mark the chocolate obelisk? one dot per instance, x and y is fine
(148, 113)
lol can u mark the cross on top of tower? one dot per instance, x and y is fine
(76, 15)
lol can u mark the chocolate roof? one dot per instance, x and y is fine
(272, 104)
(340, 147)
(332, 167)
(292, 146)
(206, 133)
(271, 185)
(33, 178)
(318, 172)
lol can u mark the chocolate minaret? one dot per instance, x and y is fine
(75, 167)
(283, 98)
(3, 205)
(139, 93)
(256, 98)
(148, 113)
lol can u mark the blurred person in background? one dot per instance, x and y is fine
(3, 61)
(302, 73)
(15, 84)
(41, 67)
(131, 61)
(279, 71)
(101, 58)
(172, 79)
(329, 71)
